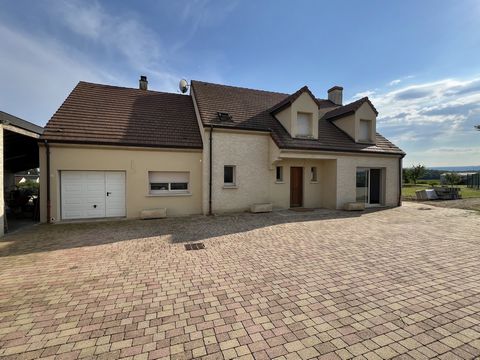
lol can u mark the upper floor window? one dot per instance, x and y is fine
(304, 124)
(365, 131)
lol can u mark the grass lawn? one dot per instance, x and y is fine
(408, 191)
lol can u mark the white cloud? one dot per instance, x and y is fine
(196, 14)
(455, 150)
(444, 101)
(425, 117)
(121, 34)
(93, 44)
(368, 93)
(38, 74)
(395, 82)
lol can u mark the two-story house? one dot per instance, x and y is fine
(114, 152)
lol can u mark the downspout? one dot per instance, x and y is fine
(400, 179)
(47, 148)
(210, 171)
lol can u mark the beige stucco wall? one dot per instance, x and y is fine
(249, 153)
(304, 103)
(346, 177)
(365, 112)
(285, 117)
(328, 177)
(348, 125)
(136, 162)
(339, 175)
(256, 156)
(351, 124)
(314, 192)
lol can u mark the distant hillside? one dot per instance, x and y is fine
(433, 173)
(456, 168)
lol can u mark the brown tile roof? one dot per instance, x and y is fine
(110, 115)
(290, 99)
(348, 109)
(251, 110)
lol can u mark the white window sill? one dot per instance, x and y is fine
(232, 186)
(167, 194)
(279, 182)
(313, 182)
(305, 137)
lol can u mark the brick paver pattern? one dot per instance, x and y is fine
(397, 283)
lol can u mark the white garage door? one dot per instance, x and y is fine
(92, 194)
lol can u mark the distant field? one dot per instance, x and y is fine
(408, 191)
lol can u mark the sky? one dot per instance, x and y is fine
(418, 61)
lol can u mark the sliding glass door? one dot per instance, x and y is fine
(362, 185)
(369, 184)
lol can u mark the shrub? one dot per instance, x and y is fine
(29, 187)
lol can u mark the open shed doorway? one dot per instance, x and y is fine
(20, 176)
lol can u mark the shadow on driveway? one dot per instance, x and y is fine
(46, 237)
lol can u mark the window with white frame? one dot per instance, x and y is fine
(165, 182)
(229, 175)
(365, 130)
(313, 174)
(304, 124)
(279, 174)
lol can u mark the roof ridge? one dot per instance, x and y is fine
(128, 88)
(241, 88)
(348, 108)
(292, 98)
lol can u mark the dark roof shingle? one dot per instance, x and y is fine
(103, 114)
(348, 109)
(6, 118)
(251, 110)
(290, 99)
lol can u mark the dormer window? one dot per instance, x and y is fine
(365, 131)
(224, 116)
(304, 125)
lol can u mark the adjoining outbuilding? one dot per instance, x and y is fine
(120, 152)
(19, 152)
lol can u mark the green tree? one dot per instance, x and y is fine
(406, 176)
(31, 187)
(416, 172)
(452, 178)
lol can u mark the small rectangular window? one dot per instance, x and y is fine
(313, 173)
(364, 133)
(279, 173)
(161, 182)
(229, 175)
(158, 186)
(223, 116)
(179, 186)
(304, 124)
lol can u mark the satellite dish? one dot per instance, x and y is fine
(183, 86)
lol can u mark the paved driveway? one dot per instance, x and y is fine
(400, 283)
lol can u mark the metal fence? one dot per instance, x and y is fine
(473, 181)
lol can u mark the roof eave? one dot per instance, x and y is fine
(120, 144)
(332, 149)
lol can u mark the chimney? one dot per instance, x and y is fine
(335, 95)
(143, 83)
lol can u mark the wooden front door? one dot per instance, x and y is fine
(296, 186)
